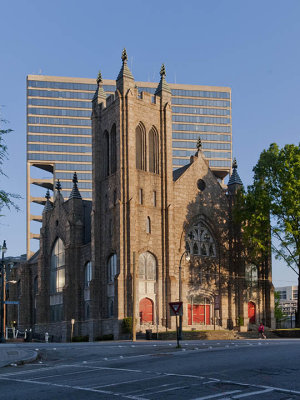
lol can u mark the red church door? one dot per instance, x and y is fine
(146, 310)
(200, 314)
(251, 312)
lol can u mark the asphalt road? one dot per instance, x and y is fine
(249, 369)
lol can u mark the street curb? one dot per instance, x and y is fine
(22, 361)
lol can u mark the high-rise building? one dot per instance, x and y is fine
(59, 134)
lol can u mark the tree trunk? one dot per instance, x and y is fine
(298, 301)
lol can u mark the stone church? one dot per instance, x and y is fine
(151, 235)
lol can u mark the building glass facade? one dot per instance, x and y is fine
(59, 132)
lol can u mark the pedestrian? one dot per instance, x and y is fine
(261, 331)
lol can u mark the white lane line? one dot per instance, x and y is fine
(165, 390)
(187, 376)
(109, 368)
(126, 382)
(86, 389)
(252, 393)
(41, 369)
(213, 396)
(62, 374)
(275, 388)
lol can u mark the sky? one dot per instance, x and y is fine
(252, 47)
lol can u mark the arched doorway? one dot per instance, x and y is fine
(146, 311)
(251, 312)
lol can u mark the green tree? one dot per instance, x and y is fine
(272, 204)
(6, 198)
(278, 313)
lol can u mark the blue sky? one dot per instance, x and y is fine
(253, 47)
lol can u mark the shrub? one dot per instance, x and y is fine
(109, 336)
(127, 325)
(80, 338)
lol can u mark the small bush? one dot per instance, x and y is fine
(80, 338)
(127, 325)
(109, 336)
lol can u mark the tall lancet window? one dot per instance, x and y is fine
(106, 153)
(140, 147)
(57, 270)
(113, 149)
(153, 151)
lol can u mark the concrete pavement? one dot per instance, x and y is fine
(15, 354)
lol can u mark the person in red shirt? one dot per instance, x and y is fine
(261, 331)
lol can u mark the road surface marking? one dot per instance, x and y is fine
(86, 389)
(252, 393)
(164, 390)
(62, 374)
(125, 382)
(212, 396)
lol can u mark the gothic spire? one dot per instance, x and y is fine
(75, 194)
(100, 93)
(48, 205)
(234, 178)
(163, 85)
(58, 185)
(199, 144)
(125, 71)
(58, 195)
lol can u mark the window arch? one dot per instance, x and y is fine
(113, 149)
(111, 302)
(153, 151)
(57, 268)
(106, 153)
(140, 147)
(87, 274)
(111, 268)
(147, 267)
(200, 241)
(251, 274)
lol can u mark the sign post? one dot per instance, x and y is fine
(176, 309)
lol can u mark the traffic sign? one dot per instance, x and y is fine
(176, 308)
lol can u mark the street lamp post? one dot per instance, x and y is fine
(187, 257)
(4, 248)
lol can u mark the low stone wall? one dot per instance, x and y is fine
(198, 335)
(287, 333)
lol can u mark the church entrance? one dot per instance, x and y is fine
(199, 311)
(146, 311)
(251, 312)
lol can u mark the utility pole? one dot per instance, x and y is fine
(4, 248)
(133, 298)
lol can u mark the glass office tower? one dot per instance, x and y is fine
(59, 134)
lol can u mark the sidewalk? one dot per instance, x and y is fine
(14, 354)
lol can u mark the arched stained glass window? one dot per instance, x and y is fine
(87, 274)
(200, 240)
(147, 267)
(153, 150)
(113, 149)
(111, 268)
(140, 144)
(57, 275)
(195, 249)
(106, 154)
